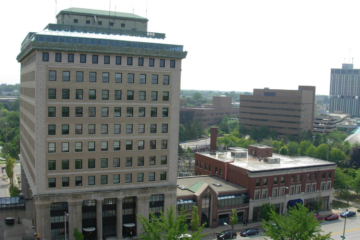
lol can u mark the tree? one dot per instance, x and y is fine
(355, 156)
(356, 183)
(254, 133)
(298, 224)
(10, 168)
(243, 130)
(318, 204)
(322, 151)
(284, 151)
(317, 140)
(304, 145)
(233, 220)
(78, 235)
(312, 151)
(340, 181)
(166, 227)
(293, 148)
(273, 134)
(195, 225)
(336, 155)
(266, 209)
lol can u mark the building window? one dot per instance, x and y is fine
(45, 57)
(298, 189)
(92, 77)
(91, 180)
(275, 192)
(52, 75)
(265, 182)
(117, 112)
(257, 183)
(299, 177)
(106, 59)
(162, 176)
(141, 112)
(130, 78)
(164, 128)
(65, 129)
(78, 181)
(78, 128)
(314, 187)
(116, 178)
(129, 128)
(51, 165)
(164, 161)
(105, 77)
(329, 174)
(282, 180)
(57, 57)
(165, 96)
(118, 60)
(104, 129)
(162, 62)
(142, 95)
(79, 94)
(70, 57)
(91, 163)
(257, 195)
(52, 182)
(220, 172)
(140, 61)
(264, 193)
(75, 21)
(154, 96)
(65, 147)
(66, 76)
(142, 79)
(78, 147)
(92, 111)
(92, 94)
(153, 112)
(276, 180)
(151, 62)
(151, 176)
(323, 175)
(78, 111)
(100, 23)
(141, 128)
(78, 164)
(82, 58)
(154, 79)
(165, 112)
(172, 63)
(216, 170)
(51, 147)
(51, 130)
(105, 95)
(104, 112)
(118, 77)
(166, 80)
(129, 61)
(117, 128)
(65, 93)
(314, 176)
(123, 25)
(104, 163)
(117, 95)
(65, 164)
(308, 188)
(140, 177)
(104, 146)
(128, 145)
(328, 185)
(95, 58)
(130, 95)
(116, 162)
(117, 146)
(141, 144)
(152, 144)
(51, 93)
(91, 146)
(152, 128)
(209, 168)
(129, 112)
(128, 178)
(200, 164)
(164, 144)
(292, 179)
(308, 177)
(282, 191)
(128, 162)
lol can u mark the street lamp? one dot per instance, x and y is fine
(232, 229)
(65, 216)
(343, 236)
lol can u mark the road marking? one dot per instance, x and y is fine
(351, 230)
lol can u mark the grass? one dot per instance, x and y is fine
(338, 204)
(353, 197)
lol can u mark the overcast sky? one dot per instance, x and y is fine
(232, 45)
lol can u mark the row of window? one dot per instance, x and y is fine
(105, 147)
(118, 59)
(79, 112)
(200, 164)
(65, 181)
(111, 24)
(65, 129)
(104, 163)
(309, 177)
(106, 77)
(105, 94)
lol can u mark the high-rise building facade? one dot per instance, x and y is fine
(286, 111)
(99, 112)
(345, 90)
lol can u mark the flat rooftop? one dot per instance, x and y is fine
(252, 164)
(201, 182)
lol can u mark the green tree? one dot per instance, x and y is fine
(293, 148)
(298, 224)
(311, 151)
(284, 151)
(78, 235)
(13, 190)
(322, 151)
(243, 130)
(195, 221)
(263, 133)
(266, 209)
(304, 146)
(273, 134)
(337, 136)
(318, 204)
(341, 181)
(254, 133)
(9, 169)
(317, 140)
(346, 147)
(356, 183)
(182, 133)
(336, 155)
(355, 156)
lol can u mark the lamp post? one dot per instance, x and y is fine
(65, 216)
(232, 229)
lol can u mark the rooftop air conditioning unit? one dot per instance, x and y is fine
(272, 160)
(182, 187)
(217, 184)
(239, 154)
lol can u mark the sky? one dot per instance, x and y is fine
(232, 45)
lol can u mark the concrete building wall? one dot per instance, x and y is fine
(222, 102)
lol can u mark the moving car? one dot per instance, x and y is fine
(319, 218)
(348, 214)
(331, 217)
(226, 235)
(251, 231)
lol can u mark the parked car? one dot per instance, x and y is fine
(319, 218)
(331, 217)
(226, 235)
(348, 214)
(251, 231)
(358, 210)
(10, 220)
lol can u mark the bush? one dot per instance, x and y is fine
(14, 191)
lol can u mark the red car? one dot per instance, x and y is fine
(319, 218)
(331, 217)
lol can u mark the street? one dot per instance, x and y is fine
(4, 181)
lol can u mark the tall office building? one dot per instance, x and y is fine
(345, 90)
(99, 123)
(285, 111)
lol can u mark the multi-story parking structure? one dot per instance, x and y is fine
(99, 123)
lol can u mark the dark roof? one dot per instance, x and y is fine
(85, 11)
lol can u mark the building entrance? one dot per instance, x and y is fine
(205, 210)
